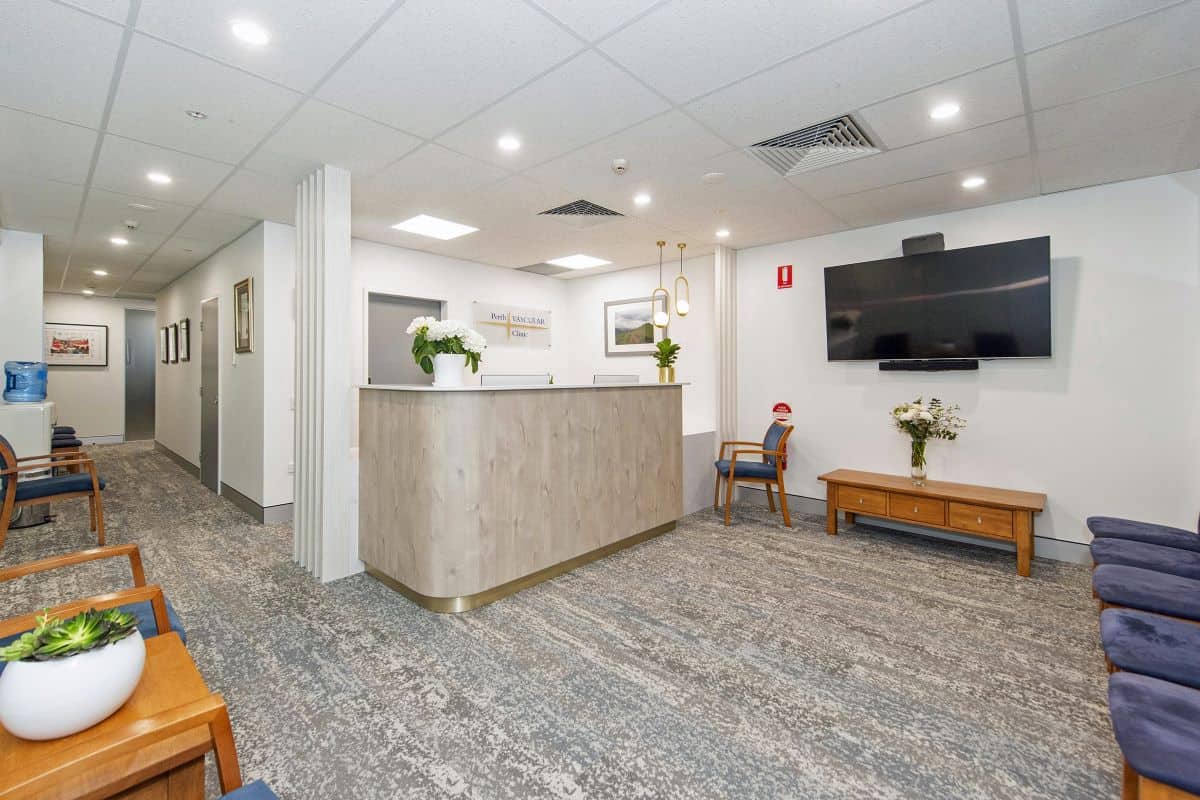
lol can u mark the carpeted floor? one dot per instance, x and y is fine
(744, 662)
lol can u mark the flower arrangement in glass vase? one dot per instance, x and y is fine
(443, 347)
(924, 421)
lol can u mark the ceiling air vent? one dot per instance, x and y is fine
(582, 214)
(544, 269)
(814, 147)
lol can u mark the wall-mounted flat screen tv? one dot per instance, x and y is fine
(990, 301)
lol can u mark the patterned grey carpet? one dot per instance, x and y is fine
(748, 662)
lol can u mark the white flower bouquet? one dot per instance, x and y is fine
(924, 421)
(433, 337)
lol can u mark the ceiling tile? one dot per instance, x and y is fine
(1046, 22)
(38, 146)
(124, 163)
(593, 20)
(1146, 48)
(953, 37)
(116, 10)
(580, 102)
(94, 239)
(215, 226)
(56, 61)
(1009, 180)
(37, 204)
(241, 108)
(999, 141)
(1125, 111)
(687, 49)
(437, 61)
(321, 134)
(307, 36)
(109, 208)
(432, 173)
(1176, 147)
(986, 96)
(252, 194)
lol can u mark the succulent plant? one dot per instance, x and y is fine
(53, 638)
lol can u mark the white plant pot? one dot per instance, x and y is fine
(448, 369)
(50, 699)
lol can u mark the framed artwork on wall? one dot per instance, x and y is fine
(163, 354)
(173, 343)
(629, 328)
(71, 345)
(185, 340)
(243, 316)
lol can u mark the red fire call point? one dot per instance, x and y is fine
(782, 412)
(783, 276)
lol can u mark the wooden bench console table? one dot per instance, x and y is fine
(956, 507)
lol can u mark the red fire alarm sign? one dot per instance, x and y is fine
(782, 412)
(783, 276)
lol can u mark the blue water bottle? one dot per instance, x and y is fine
(24, 381)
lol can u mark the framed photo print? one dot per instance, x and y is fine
(163, 354)
(629, 326)
(243, 316)
(173, 343)
(185, 340)
(71, 345)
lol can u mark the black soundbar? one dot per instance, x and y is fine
(929, 365)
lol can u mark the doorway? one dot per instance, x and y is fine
(210, 408)
(389, 359)
(140, 343)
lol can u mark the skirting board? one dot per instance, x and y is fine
(1044, 546)
(269, 514)
(188, 467)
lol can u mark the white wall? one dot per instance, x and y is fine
(20, 296)
(696, 333)
(1106, 426)
(277, 336)
(92, 399)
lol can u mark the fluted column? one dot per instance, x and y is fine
(725, 274)
(324, 527)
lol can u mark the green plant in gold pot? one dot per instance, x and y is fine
(666, 352)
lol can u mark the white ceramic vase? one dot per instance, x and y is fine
(448, 370)
(50, 699)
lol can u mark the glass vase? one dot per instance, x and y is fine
(918, 462)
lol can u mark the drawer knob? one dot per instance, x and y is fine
(914, 509)
(979, 520)
(860, 501)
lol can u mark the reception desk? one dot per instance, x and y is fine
(467, 495)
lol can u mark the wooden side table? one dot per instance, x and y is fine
(170, 768)
(960, 508)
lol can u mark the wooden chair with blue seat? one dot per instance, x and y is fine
(768, 470)
(154, 612)
(16, 494)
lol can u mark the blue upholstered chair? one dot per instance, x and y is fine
(1165, 535)
(1121, 586)
(1157, 727)
(1151, 644)
(154, 612)
(1157, 557)
(15, 494)
(767, 469)
(251, 791)
(64, 430)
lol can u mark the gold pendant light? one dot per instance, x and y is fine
(661, 316)
(683, 290)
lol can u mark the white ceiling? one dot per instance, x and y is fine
(411, 95)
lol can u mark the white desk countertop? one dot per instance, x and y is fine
(426, 388)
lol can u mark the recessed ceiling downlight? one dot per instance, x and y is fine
(578, 261)
(100, 273)
(89, 292)
(142, 206)
(434, 228)
(641, 199)
(250, 32)
(713, 177)
(161, 178)
(944, 110)
(722, 233)
(509, 143)
(974, 182)
(119, 241)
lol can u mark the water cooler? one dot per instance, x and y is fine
(29, 428)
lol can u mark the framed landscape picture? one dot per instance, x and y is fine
(629, 327)
(243, 316)
(71, 345)
(185, 340)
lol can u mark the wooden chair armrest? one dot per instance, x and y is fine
(153, 593)
(758, 451)
(50, 456)
(48, 465)
(81, 557)
(726, 444)
(34, 779)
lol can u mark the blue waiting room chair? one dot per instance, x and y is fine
(1157, 727)
(17, 493)
(767, 469)
(1148, 532)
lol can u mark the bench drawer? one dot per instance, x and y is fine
(862, 501)
(916, 508)
(981, 519)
